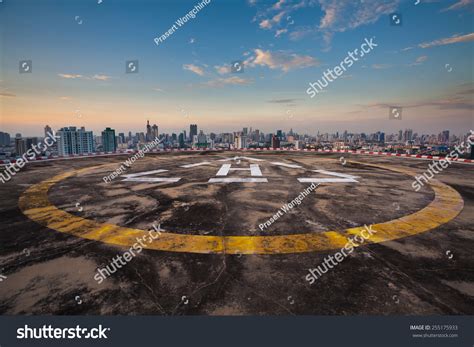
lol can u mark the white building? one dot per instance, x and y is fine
(75, 141)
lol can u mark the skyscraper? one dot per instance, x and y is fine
(109, 142)
(20, 146)
(122, 137)
(75, 141)
(275, 142)
(154, 132)
(4, 139)
(193, 131)
(445, 136)
(279, 134)
(181, 138)
(47, 131)
(148, 131)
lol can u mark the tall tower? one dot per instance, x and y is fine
(193, 131)
(148, 131)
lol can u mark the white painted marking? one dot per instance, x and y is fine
(238, 158)
(293, 166)
(331, 173)
(345, 178)
(238, 180)
(153, 179)
(144, 173)
(224, 170)
(197, 164)
(327, 180)
(255, 170)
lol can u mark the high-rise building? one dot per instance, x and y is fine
(193, 131)
(20, 146)
(75, 141)
(240, 141)
(18, 136)
(275, 142)
(122, 137)
(148, 131)
(30, 141)
(47, 131)
(4, 139)
(201, 139)
(181, 138)
(445, 136)
(109, 142)
(279, 134)
(154, 132)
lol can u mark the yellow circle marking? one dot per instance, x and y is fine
(34, 203)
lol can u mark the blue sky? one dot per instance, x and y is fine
(79, 49)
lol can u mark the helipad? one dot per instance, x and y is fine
(213, 203)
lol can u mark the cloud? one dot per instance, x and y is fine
(278, 5)
(194, 68)
(66, 98)
(282, 101)
(234, 80)
(381, 66)
(280, 31)
(77, 76)
(459, 100)
(158, 90)
(222, 69)
(7, 95)
(280, 60)
(340, 16)
(420, 60)
(270, 23)
(448, 41)
(101, 77)
(462, 4)
(70, 76)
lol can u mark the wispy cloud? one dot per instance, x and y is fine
(70, 76)
(7, 95)
(158, 90)
(194, 68)
(97, 77)
(282, 101)
(420, 60)
(222, 69)
(338, 16)
(101, 77)
(280, 60)
(448, 41)
(234, 80)
(460, 5)
(381, 66)
(459, 100)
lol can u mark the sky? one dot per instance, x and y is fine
(79, 50)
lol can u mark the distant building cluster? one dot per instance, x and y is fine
(77, 141)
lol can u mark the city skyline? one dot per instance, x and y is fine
(234, 131)
(78, 66)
